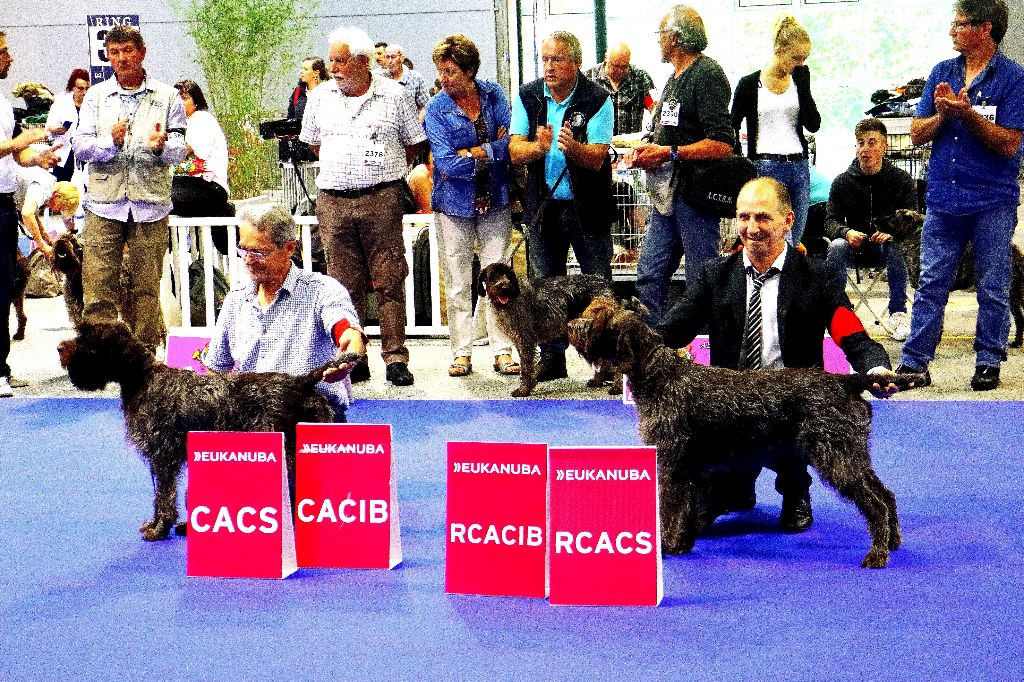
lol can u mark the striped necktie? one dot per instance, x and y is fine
(752, 337)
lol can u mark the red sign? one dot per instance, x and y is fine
(240, 518)
(605, 540)
(496, 519)
(346, 510)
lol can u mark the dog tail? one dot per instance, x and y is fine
(314, 376)
(858, 383)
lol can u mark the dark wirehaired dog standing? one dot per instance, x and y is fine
(701, 418)
(162, 404)
(905, 227)
(67, 260)
(532, 314)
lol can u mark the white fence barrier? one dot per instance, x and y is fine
(191, 240)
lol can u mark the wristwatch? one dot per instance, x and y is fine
(674, 154)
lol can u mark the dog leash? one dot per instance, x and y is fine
(539, 214)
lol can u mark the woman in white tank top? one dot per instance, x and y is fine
(777, 105)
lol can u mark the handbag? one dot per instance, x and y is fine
(712, 186)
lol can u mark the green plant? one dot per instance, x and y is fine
(245, 47)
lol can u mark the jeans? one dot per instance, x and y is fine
(548, 244)
(8, 254)
(456, 239)
(942, 246)
(104, 259)
(687, 229)
(795, 175)
(840, 257)
(548, 248)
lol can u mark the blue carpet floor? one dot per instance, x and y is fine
(82, 597)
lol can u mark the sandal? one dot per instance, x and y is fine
(504, 364)
(460, 367)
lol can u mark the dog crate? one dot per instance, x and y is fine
(902, 151)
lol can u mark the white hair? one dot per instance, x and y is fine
(393, 48)
(358, 43)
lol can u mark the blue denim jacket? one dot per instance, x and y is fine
(449, 129)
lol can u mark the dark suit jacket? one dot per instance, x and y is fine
(808, 301)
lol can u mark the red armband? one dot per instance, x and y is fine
(648, 101)
(339, 329)
(844, 322)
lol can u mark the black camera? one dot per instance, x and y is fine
(284, 128)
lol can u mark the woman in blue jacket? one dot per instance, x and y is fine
(467, 125)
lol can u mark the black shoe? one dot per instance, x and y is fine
(551, 366)
(986, 377)
(904, 369)
(359, 373)
(398, 373)
(796, 514)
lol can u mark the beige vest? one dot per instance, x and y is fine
(136, 172)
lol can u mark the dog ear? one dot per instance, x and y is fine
(624, 326)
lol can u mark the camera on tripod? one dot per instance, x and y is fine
(280, 129)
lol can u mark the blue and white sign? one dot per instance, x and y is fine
(98, 25)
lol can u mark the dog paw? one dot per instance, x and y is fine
(147, 525)
(181, 529)
(875, 558)
(595, 382)
(521, 391)
(19, 336)
(615, 389)
(159, 530)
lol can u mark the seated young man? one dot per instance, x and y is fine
(871, 188)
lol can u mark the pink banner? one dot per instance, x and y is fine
(346, 497)
(240, 519)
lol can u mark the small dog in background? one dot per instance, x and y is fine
(532, 314)
(905, 227)
(67, 260)
(21, 269)
(162, 404)
(704, 418)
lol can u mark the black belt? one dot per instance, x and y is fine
(361, 192)
(781, 157)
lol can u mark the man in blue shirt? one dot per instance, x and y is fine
(561, 129)
(284, 320)
(972, 111)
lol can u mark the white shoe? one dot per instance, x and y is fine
(898, 326)
(5, 388)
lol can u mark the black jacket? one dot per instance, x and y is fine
(744, 105)
(591, 190)
(856, 200)
(808, 300)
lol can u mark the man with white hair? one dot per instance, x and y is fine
(364, 129)
(412, 81)
(284, 319)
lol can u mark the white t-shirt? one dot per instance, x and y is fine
(63, 111)
(203, 134)
(777, 117)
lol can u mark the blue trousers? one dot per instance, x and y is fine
(943, 241)
(840, 256)
(796, 176)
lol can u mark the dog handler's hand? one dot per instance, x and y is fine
(351, 341)
(880, 389)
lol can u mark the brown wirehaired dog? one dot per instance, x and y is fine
(905, 227)
(701, 418)
(67, 260)
(532, 314)
(162, 404)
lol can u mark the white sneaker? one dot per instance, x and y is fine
(5, 388)
(899, 326)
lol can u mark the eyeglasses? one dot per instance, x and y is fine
(255, 254)
(961, 25)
